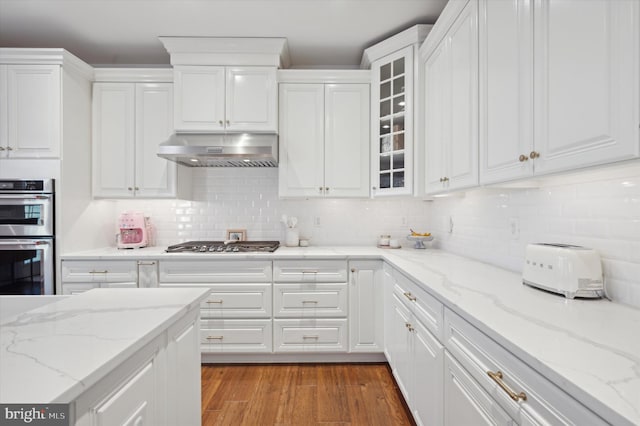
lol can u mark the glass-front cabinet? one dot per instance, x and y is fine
(392, 107)
(393, 75)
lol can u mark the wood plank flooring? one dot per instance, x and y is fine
(301, 394)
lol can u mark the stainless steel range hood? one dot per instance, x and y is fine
(221, 150)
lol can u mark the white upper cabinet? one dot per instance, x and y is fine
(558, 85)
(113, 139)
(506, 89)
(324, 139)
(30, 111)
(586, 82)
(301, 139)
(393, 126)
(219, 99)
(130, 120)
(392, 112)
(251, 99)
(451, 105)
(199, 103)
(154, 176)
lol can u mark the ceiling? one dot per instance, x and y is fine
(320, 33)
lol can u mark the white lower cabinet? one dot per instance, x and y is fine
(310, 335)
(158, 385)
(236, 316)
(310, 306)
(522, 393)
(366, 316)
(416, 354)
(465, 402)
(82, 275)
(133, 405)
(236, 335)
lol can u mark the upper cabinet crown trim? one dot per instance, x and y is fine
(137, 75)
(29, 56)
(268, 51)
(442, 25)
(324, 76)
(413, 35)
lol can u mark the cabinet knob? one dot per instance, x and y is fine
(130, 188)
(228, 123)
(320, 189)
(326, 188)
(523, 158)
(1, 148)
(9, 148)
(374, 187)
(444, 179)
(353, 270)
(534, 154)
(137, 189)
(220, 122)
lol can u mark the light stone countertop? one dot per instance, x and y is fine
(55, 352)
(589, 348)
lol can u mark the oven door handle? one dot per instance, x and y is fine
(25, 197)
(24, 242)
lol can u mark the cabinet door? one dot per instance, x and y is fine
(586, 82)
(134, 404)
(183, 362)
(506, 90)
(465, 402)
(462, 152)
(33, 111)
(366, 290)
(436, 72)
(400, 347)
(199, 98)
(301, 168)
(346, 142)
(154, 176)
(251, 99)
(392, 123)
(113, 139)
(428, 365)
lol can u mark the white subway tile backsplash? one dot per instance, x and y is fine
(590, 209)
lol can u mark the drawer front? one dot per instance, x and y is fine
(77, 288)
(215, 271)
(235, 336)
(310, 300)
(426, 308)
(545, 402)
(301, 271)
(313, 335)
(99, 271)
(238, 301)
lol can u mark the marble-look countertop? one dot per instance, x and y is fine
(57, 351)
(589, 348)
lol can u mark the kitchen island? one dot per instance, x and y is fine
(585, 349)
(113, 355)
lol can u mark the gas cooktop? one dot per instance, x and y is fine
(224, 247)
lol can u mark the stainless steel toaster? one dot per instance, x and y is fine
(572, 271)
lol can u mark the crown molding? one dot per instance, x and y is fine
(324, 76)
(411, 36)
(31, 56)
(227, 51)
(135, 75)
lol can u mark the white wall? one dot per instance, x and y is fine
(225, 198)
(598, 209)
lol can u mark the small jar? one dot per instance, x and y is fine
(384, 240)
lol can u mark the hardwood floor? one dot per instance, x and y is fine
(301, 394)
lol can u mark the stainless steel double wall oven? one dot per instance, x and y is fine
(27, 236)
